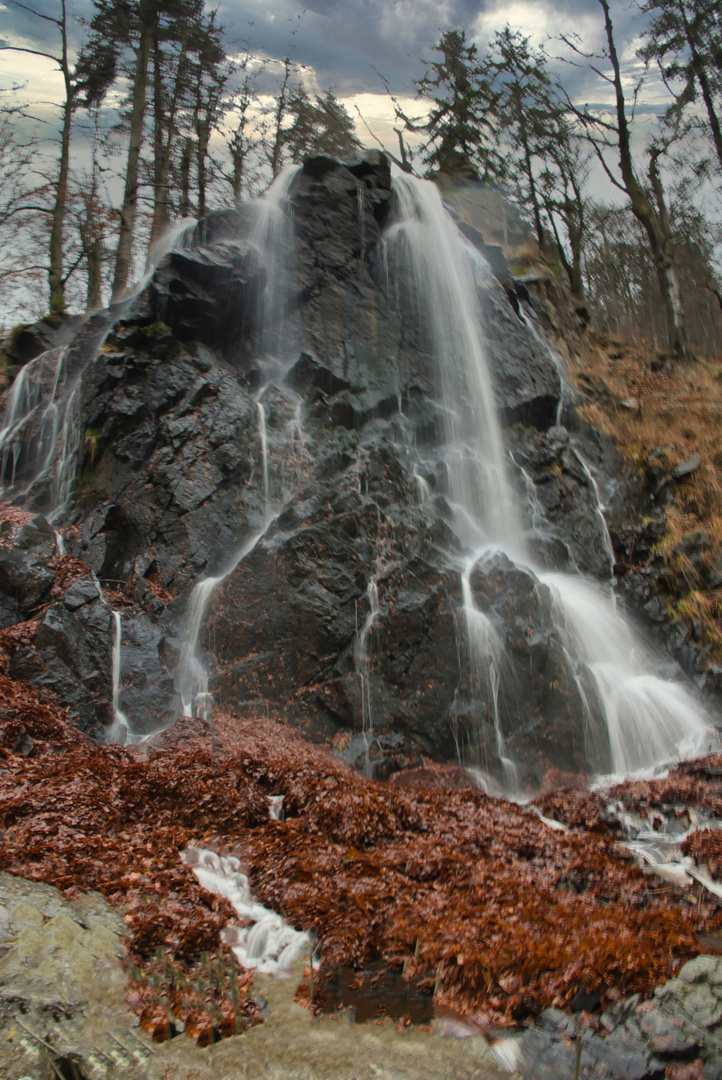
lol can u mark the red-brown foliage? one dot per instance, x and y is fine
(512, 915)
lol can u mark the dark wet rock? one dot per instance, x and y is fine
(638, 1040)
(23, 743)
(26, 573)
(567, 530)
(209, 293)
(147, 683)
(527, 382)
(373, 168)
(70, 655)
(26, 342)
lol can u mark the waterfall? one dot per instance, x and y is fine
(270, 232)
(192, 676)
(120, 728)
(361, 656)
(649, 721)
(426, 243)
(40, 436)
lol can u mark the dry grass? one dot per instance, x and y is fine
(675, 409)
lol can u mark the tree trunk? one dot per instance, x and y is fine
(711, 113)
(202, 139)
(94, 262)
(698, 66)
(130, 197)
(238, 157)
(659, 238)
(55, 274)
(276, 153)
(529, 170)
(163, 135)
(184, 206)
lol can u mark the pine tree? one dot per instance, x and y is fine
(321, 126)
(462, 125)
(685, 38)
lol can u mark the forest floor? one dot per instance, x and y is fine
(477, 901)
(664, 416)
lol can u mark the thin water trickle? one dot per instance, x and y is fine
(264, 447)
(192, 675)
(423, 486)
(487, 658)
(120, 730)
(362, 659)
(599, 510)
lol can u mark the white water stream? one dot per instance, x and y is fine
(599, 510)
(40, 437)
(120, 730)
(650, 721)
(362, 659)
(192, 676)
(270, 232)
(263, 941)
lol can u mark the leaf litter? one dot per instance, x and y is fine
(472, 897)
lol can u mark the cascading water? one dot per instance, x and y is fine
(192, 677)
(362, 659)
(41, 432)
(649, 721)
(599, 510)
(443, 273)
(270, 233)
(120, 728)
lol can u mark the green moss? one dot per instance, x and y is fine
(156, 330)
(91, 442)
(14, 335)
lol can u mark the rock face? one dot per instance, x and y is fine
(677, 1033)
(63, 1012)
(289, 407)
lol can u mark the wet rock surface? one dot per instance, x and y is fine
(678, 1033)
(63, 1010)
(196, 436)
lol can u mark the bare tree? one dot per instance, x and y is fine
(647, 202)
(58, 210)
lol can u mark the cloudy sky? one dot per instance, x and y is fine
(350, 45)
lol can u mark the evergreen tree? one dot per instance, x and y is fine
(321, 126)
(685, 38)
(462, 125)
